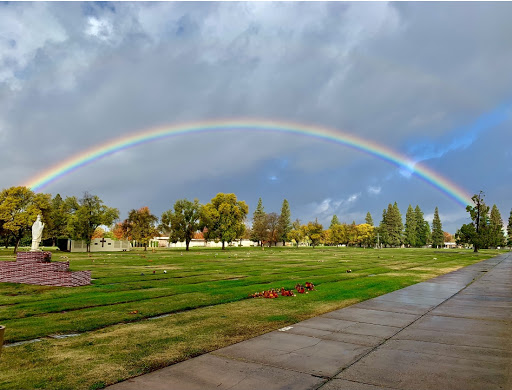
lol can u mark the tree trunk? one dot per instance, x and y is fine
(223, 247)
(187, 242)
(145, 247)
(16, 243)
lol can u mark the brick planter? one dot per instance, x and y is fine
(37, 268)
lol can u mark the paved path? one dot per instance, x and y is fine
(451, 332)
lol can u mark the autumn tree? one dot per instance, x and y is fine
(19, 207)
(99, 232)
(314, 230)
(447, 237)
(259, 224)
(296, 233)
(437, 230)
(285, 224)
(224, 217)
(337, 234)
(496, 236)
(140, 226)
(86, 214)
(183, 221)
(365, 234)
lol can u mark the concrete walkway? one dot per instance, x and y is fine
(451, 332)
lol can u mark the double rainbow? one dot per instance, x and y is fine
(150, 135)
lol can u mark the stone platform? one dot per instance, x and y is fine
(451, 332)
(37, 268)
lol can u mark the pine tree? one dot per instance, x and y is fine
(411, 228)
(369, 219)
(397, 226)
(259, 224)
(509, 229)
(334, 221)
(392, 226)
(285, 224)
(437, 230)
(383, 229)
(496, 236)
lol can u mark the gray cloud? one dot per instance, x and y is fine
(409, 76)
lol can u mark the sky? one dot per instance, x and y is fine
(430, 81)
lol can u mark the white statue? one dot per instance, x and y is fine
(37, 234)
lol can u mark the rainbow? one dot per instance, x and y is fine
(322, 133)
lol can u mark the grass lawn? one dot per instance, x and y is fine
(204, 295)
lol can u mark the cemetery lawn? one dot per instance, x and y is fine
(204, 295)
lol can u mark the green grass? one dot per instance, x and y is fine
(205, 291)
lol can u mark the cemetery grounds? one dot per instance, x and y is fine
(136, 318)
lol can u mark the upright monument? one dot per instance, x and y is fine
(37, 234)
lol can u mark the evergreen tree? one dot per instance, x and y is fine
(259, 224)
(369, 220)
(411, 228)
(496, 236)
(397, 226)
(285, 224)
(437, 230)
(422, 228)
(392, 226)
(334, 221)
(383, 230)
(509, 229)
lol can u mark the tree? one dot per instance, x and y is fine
(272, 226)
(411, 228)
(496, 236)
(99, 232)
(476, 232)
(285, 224)
(140, 226)
(334, 221)
(314, 231)
(337, 235)
(259, 224)
(87, 214)
(56, 225)
(365, 234)
(183, 222)
(392, 226)
(224, 217)
(422, 228)
(509, 229)
(296, 233)
(447, 237)
(19, 207)
(437, 230)
(368, 219)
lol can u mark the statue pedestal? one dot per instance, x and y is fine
(35, 256)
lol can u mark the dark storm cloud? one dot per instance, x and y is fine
(410, 76)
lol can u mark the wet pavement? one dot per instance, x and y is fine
(451, 332)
